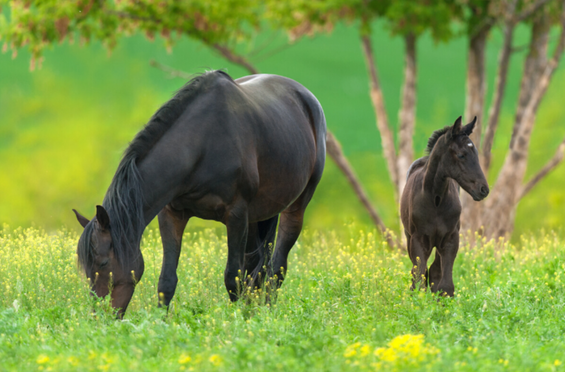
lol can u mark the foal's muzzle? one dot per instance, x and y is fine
(481, 194)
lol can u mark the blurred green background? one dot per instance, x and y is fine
(64, 127)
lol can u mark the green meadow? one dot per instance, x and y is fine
(64, 127)
(345, 306)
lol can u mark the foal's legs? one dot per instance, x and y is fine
(419, 253)
(448, 253)
(434, 273)
(171, 226)
(238, 228)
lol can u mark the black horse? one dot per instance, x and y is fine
(430, 206)
(239, 152)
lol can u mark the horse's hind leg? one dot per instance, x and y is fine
(289, 230)
(260, 240)
(171, 226)
(238, 228)
(291, 220)
(290, 226)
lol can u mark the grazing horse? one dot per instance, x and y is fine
(430, 206)
(239, 152)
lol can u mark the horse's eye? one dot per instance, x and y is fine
(103, 264)
(461, 156)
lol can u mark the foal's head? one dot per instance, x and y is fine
(459, 157)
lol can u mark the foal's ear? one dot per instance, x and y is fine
(468, 129)
(81, 219)
(102, 217)
(456, 127)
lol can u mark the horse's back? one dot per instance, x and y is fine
(260, 137)
(286, 100)
(417, 164)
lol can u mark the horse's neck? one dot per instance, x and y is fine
(436, 180)
(158, 190)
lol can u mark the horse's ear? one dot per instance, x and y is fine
(102, 217)
(81, 219)
(468, 129)
(456, 127)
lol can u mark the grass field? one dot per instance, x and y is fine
(345, 305)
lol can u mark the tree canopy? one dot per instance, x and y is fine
(38, 24)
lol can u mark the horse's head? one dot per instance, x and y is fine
(98, 257)
(462, 160)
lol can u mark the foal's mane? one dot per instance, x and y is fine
(124, 198)
(435, 137)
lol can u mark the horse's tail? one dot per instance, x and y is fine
(263, 244)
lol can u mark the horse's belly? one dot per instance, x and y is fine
(207, 207)
(269, 203)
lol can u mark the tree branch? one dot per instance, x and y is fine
(235, 58)
(549, 166)
(173, 73)
(264, 45)
(225, 51)
(273, 52)
(527, 13)
(333, 148)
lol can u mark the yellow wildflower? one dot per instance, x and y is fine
(42, 359)
(184, 359)
(215, 359)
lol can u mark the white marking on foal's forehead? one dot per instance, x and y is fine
(470, 144)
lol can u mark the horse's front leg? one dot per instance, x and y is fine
(171, 226)
(419, 252)
(238, 229)
(448, 253)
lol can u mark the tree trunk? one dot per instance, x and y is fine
(377, 99)
(407, 113)
(474, 106)
(501, 205)
(500, 86)
(533, 66)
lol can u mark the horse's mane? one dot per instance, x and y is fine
(124, 198)
(435, 137)
(168, 114)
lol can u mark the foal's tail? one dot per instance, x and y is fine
(263, 242)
